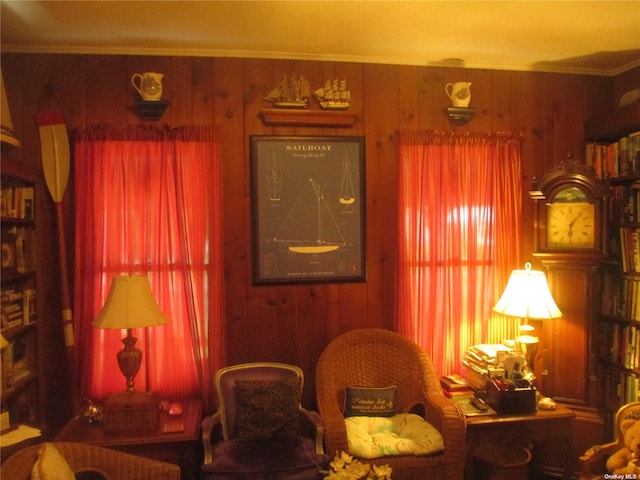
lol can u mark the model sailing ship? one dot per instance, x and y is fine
(293, 92)
(334, 95)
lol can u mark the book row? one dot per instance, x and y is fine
(17, 201)
(615, 159)
(15, 363)
(629, 249)
(17, 307)
(625, 203)
(18, 248)
(620, 297)
(620, 387)
(620, 344)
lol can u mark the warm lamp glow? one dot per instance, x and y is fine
(3, 342)
(527, 296)
(130, 304)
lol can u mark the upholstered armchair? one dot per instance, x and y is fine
(260, 430)
(381, 358)
(593, 464)
(89, 461)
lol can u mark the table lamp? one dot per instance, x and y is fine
(130, 304)
(526, 296)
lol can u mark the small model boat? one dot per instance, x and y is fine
(293, 92)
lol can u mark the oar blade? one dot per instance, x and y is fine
(54, 145)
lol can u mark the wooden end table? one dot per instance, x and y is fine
(183, 448)
(539, 426)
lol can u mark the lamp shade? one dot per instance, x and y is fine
(527, 296)
(130, 304)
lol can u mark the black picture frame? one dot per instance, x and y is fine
(308, 209)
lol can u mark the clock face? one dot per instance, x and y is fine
(571, 220)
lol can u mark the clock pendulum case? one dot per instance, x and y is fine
(570, 243)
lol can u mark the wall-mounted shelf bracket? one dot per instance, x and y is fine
(150, 110)
(459, 115)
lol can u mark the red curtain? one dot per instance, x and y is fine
(148, 200)
(459, 238)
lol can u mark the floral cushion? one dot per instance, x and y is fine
(402, 434)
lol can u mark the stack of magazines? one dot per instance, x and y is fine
(479, 358)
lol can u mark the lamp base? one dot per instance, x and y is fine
(131, 411)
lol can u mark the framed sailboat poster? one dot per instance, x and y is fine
(308, 208)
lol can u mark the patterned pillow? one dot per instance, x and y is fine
(370, 401)
(267, 409)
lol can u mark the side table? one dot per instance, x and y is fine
(183, 448)
(539, 426)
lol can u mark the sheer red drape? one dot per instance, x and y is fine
(148, 200)
(459, 238)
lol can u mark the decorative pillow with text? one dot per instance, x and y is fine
(370, 401)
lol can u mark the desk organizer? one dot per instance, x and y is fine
(519, 398)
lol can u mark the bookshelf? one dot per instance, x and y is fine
(613, 152)
(21, 392)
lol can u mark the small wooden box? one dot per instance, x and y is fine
(131, 411)
(520, 399)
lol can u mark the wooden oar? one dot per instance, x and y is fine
(54, 144)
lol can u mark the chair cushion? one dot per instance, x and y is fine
(370, 401)
(267, 409)
(289, 455)
(402, 434)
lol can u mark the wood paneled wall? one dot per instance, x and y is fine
(294, 323)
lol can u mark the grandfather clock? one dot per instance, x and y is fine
(570, 221)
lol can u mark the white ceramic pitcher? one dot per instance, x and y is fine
(148, 85)
(459, 93)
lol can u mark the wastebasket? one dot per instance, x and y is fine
(502, 462)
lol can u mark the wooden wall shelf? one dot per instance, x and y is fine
(459, 115)
(150, 110)
(613, 125)
(307, 118)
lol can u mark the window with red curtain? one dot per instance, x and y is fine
(459, 238)
(148, 201)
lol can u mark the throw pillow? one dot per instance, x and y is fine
(267, 409)
(51, 465)
(370, 401)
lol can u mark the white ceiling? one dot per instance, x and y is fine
(585, 37)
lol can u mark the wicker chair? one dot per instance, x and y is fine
(593, 464)
(113, 464)
(378, 358)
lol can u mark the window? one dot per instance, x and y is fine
(459, 238)
(148, 201)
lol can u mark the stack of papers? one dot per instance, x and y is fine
(20, 434)
(479, 358)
